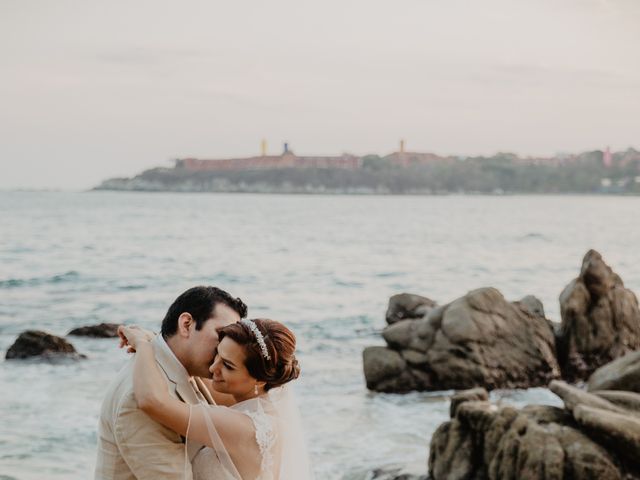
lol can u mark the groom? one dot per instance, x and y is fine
(132, 446)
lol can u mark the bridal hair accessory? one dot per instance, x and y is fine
(259, 338)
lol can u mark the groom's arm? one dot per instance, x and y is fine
(151, 450)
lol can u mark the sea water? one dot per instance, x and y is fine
(324, 265)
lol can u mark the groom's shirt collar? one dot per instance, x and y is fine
(184, 385)
(168, 361)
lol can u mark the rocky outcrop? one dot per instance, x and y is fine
(614, 426)
(394, 473)
(533, 304)
(621, 374)
(626, 400)
(35, 343)
(590, 439)
(477, 340)
(405, 306)
(600, 320)
(103, 330)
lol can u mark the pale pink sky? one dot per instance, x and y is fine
(92, 90)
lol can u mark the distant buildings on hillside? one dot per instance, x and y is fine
(400, 158)
(288, 159)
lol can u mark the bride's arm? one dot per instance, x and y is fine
(153, 398)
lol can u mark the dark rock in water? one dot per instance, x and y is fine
(395, 473)
(600, 320)
(35, 343)
(533, 304)
(620, 431)
(626, 400)
(387, 369)
(474, 394)
(573, 396)
(103, 330)
(407, 306)
(486, 442)
(477, 340)
(621, 374)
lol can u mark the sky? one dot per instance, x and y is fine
(93, 90)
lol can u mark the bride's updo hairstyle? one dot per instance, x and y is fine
(280, 343)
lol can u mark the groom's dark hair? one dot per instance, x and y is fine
(199, 302)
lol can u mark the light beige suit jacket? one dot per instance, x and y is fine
(133, 446)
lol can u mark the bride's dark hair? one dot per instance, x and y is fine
(282, 366)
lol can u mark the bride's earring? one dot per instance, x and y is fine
(255, 389)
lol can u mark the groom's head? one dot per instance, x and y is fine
(191, 325)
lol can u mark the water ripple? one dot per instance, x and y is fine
(70, 276)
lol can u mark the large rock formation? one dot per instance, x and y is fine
(394, 473)
(103, 330)
(404, 306)
(477, 340)
(34, 343)
(591, 438)
(600, 320)
(621, 374)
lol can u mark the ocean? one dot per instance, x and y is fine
(324, 265)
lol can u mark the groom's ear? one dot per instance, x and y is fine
(185, 320)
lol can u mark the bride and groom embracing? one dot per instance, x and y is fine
(207, 399)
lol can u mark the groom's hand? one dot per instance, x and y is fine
(123, 340)
(131, 336)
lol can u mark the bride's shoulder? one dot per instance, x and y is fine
(255, 408)
(262, 416)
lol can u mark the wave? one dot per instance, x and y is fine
(69, 276)
(532, 236)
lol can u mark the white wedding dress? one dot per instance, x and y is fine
(207, 466)
(278, 434)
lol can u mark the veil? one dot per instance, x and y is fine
(294, 461)
(278, 432)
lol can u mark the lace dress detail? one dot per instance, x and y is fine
(266, 440)
(206, 465)
(277, 431)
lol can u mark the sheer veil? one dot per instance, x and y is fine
(294, 462)
(279, 434)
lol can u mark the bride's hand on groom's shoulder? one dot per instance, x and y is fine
(131, 336)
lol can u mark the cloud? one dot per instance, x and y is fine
(144, 56)
(560, 75)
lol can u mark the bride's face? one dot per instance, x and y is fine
(229, 372)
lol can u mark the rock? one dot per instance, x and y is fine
(34, 343)
(484, 442)
(533, 448)
(451, 453)
(620, 431)
(402, 334)
(414, 358)
(573, 396)
(103, 330)
(408, 305)
(474, 394)
(627, 400)
(479, 340)
(621, 374)
(382, 366)
(600, 320)
(533, 304)
(394, 473)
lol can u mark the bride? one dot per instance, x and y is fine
(257, 438)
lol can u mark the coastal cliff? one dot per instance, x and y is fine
(396, 174)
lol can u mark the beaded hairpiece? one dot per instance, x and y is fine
(259, 338)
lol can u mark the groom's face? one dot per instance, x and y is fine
(204, 342)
